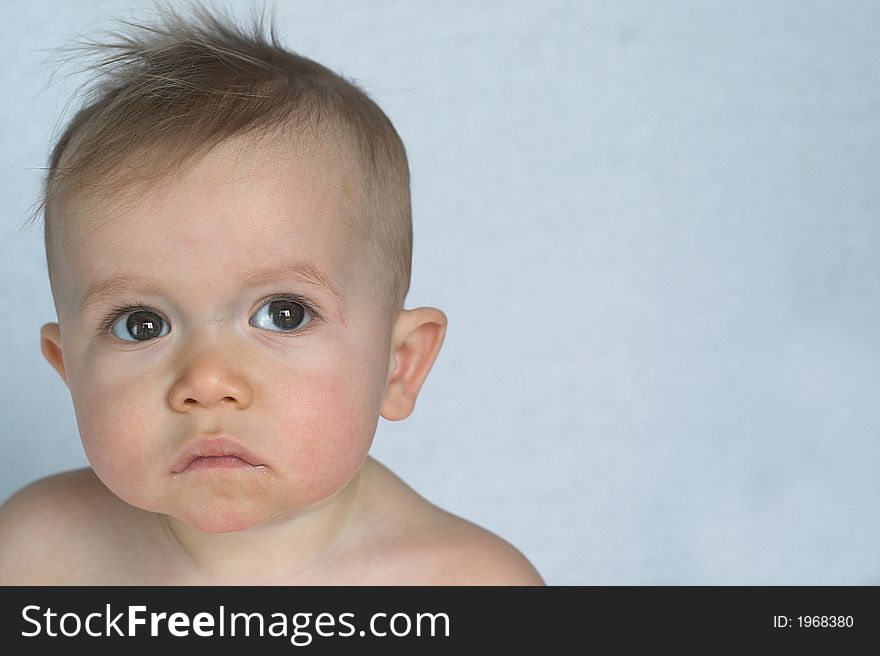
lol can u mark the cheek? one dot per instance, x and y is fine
(117, 425)
(327, 423)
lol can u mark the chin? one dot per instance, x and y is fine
(223, 518)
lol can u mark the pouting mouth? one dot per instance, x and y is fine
(225, 450)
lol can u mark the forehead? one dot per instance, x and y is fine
(245, 206)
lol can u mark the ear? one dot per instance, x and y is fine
(416, 340)
(50, 343)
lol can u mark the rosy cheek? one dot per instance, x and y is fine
(116, 433)
(327, 429)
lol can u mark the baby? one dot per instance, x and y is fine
(228, 236)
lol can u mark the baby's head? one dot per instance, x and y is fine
(228, 236)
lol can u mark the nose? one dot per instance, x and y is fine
(209, 382)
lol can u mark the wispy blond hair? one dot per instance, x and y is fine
(165, 92)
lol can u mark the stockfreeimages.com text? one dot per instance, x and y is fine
(299, 627)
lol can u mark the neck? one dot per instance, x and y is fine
(283, 547)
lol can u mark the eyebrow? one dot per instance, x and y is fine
(307, 272)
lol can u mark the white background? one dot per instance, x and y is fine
(654, 228)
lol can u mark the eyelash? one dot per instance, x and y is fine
(134, 306)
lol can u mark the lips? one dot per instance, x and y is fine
(215, 453)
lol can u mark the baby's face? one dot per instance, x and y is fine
(220, 339)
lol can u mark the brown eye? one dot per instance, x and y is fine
(140, 326)
(281, 315)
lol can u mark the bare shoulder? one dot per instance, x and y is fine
(49, 524)
(468, 554)
(435, 547)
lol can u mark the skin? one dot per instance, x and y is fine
(312, 507)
